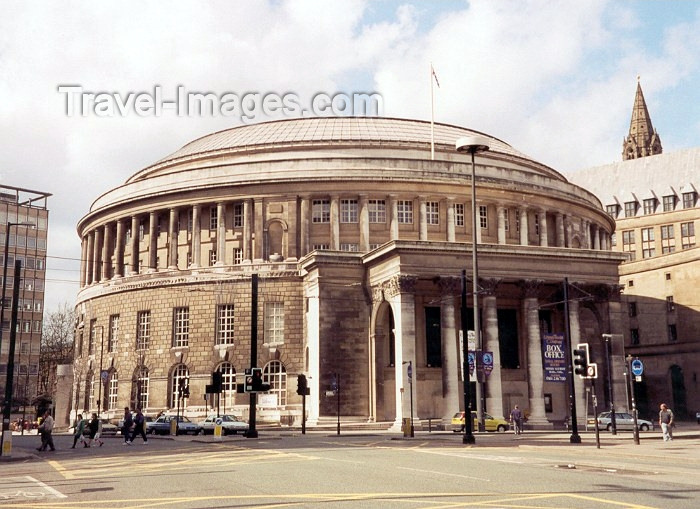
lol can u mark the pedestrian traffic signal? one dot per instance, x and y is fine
(258, 385)
(302, 386)
(581, 360)
(216, 381)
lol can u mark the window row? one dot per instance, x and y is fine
(181, 328)
(28, 262)
(349, 211)
(671, 334)
(22, 217)
(22, 241)
(25, 326)
(651, 205)
(668, 239)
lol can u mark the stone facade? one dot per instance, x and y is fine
(359, 240)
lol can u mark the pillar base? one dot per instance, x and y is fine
(538, 423)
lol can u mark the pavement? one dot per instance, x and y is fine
(685, 444)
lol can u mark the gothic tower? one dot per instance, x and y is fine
(643, 140)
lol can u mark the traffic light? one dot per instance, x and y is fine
(581, 360)
(302, 386)
(258, 385)
(216, 381)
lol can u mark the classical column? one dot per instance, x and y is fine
(258, 222)
(596, 237)
(494, 387)
(400, 293)
(335, 223)
(196, 247)
(535, 373)
(119, 242)
(544, 236)
(422, 218)
(247, 230)
(394, 219)
(364, 223)
(135, 241)
(97, 256)
(449, 288)
(106, 253)
(220, 234)
(501, 224)
(85, 261)
(172, 239)
(568, 229)
(153, 241)
(450, 219)
(524, 229)
(561, 236)
(575, 326)
(586, 228)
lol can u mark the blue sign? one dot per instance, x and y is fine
(410, 370)
(472, 360)
(487, 359)
(637, 367)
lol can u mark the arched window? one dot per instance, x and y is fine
(139, 388)
(180, 377)
(113, 390)
(275, 374)
(228, 384)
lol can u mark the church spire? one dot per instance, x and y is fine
(643, 140)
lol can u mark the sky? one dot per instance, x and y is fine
(556, 80)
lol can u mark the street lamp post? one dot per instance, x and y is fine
(103, 379)
(472, 145)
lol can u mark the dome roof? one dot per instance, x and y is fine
(367, 131)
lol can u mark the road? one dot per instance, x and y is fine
(372, 469)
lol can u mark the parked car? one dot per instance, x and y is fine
(161, 426)
(230, 424)
(108, 428)
(491, 423)
(623, 421)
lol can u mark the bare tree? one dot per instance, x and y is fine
(56, 346)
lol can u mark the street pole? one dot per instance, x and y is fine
(575, 438)
(103, 381)
(468, 437)
(410, 388)
(337, 393)
(630, 388)
(7, 404)
(611, 392)
(252, 432)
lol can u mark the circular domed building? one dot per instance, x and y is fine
(358, 239)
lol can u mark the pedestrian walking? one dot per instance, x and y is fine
(93, 428)
(78, 430)
(98, 436)
(127, 424)
(46, 430)
(139, 426)
(516, 419)
(666, 422)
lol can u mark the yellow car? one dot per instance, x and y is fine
(491, 423)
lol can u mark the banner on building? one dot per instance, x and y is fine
(553, 357)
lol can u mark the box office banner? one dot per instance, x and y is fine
(554, 357)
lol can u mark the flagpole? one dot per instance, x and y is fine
(432, 116)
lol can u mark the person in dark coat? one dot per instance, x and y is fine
(127, 424)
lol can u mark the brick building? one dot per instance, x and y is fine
(359, 239)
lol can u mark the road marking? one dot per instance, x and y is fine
(61, 469)
(441, 474)
(26, 488)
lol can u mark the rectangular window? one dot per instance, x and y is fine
(506, 219)
(649, 206)
(238, 215)
(237, 256)
(537, 224)
(224, 324)
(668, 242)
(648, 246)
(213, 218)
(348, 211)
(632, 309)
(377, 211)
(405, 208)
(612, 210)
(113, 339)
(628, 244)
(212, 257)
(113, 391)
(688, 235)
(670, 306)
(672, 333)
(321, 211)
(143, 330)
(321, 247)
(93, 333)
(483, 217)
(353, 248)
(634, 335)
(613, 239)
(630, 209)
(274, 322)
(181, 326)
(459, 214)
(689, 200)
(433, 343)
(432, 212)
(669, 203)
(189, 220)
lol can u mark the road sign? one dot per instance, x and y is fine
(471, 356)
(104, 376)
(637, 367)
(410, 371)
(592, 370)
(487, 360)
